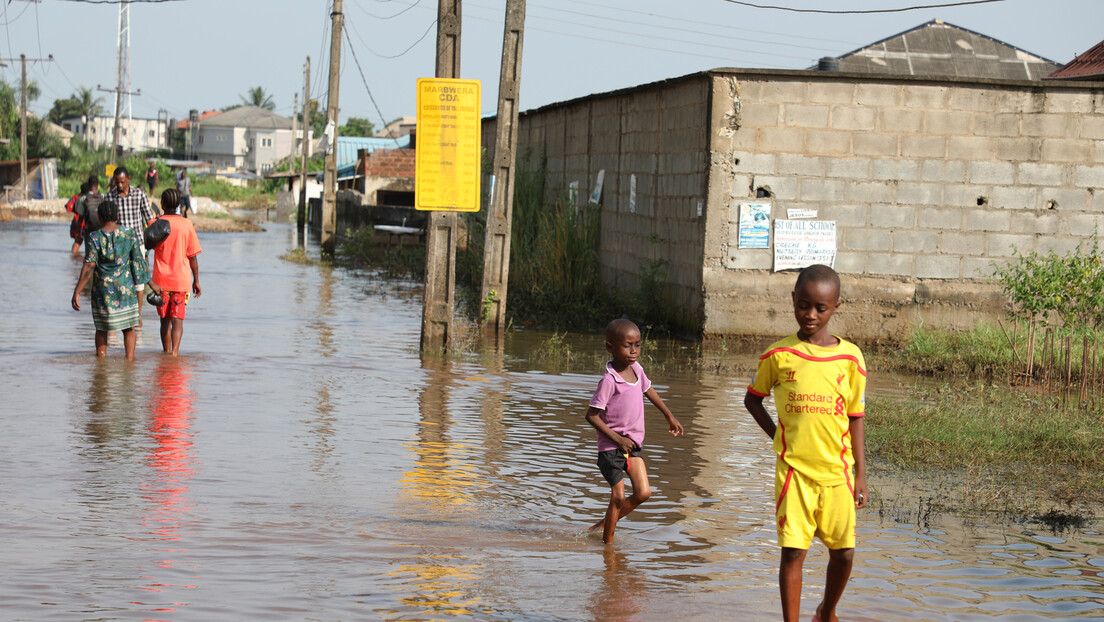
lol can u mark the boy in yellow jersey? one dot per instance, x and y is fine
(819, 381)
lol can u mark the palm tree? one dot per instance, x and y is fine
(257, 96)
(90, 105)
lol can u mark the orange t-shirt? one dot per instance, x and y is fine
(171, 269)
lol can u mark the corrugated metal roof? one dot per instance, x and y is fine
(347, 147)
(1087, 66)
(941, 49)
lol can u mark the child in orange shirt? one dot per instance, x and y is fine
(175, 270)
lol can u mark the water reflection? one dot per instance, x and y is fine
(302, 462)
(170, 455)
(622, 594)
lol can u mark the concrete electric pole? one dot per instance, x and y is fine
(301, 213)
(329, 194)
(440, 272)
(496, 247)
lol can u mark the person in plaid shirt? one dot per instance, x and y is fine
(135, 211)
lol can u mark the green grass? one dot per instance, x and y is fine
(1023, 438)
(360, 249)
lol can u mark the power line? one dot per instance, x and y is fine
(400, 54)
(352, 51)
(672, 39)
(667, 18)
(634, 46)
(14, 19)
(121, 1)
(675, 28)
(860, 12)
(370, 14)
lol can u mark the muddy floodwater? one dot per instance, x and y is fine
(300, 461)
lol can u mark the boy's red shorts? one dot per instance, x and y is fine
(176, 303)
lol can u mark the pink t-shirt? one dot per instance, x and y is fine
(622, 405)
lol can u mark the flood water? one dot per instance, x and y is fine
(300, 461)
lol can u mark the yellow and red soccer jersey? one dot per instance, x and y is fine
(816, 390)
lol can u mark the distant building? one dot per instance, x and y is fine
(399, 127)
(1087, 66)
(941, 49)
(134, 134)
(247, 138)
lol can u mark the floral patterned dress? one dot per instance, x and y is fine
(119, 267)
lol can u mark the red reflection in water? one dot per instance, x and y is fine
(173, 465)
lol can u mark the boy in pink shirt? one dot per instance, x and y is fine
(175, 270)
(617, 412)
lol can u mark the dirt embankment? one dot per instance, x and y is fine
(210, 218)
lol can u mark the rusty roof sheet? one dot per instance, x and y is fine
(1087, 66)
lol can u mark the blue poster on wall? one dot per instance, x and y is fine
(755, 225)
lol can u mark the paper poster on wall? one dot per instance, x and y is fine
(596, 195)
(632, 194)
(755, 225)
(796, 214)
(800, 243)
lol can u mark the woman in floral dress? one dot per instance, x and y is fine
(113, 261)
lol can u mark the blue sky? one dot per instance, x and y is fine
(203, 54)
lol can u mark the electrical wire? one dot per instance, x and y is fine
(635, 46)
(122, 1)
(672, 39)
(38, 32)
(352, 51)
(670, 18)
(696, 31)
(400, 54)
(860, 12)
(372, 15)
(12, 21)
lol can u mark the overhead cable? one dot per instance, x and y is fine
(860, 11)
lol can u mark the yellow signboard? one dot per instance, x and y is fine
(446, 175)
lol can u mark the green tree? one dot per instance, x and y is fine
(356, 126)
(257, 96)
(40, 142)
(316, 119)
(82, 103)
(64, 109)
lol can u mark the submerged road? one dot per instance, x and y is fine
(300, 461)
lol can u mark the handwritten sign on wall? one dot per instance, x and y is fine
(800, 243)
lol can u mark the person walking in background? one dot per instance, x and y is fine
(820, 434)
(88, 206)
(76, 227)
(184, 185)
(114, 262)
(151, 178)
(135, 211)
(175, 271)
(617, 413)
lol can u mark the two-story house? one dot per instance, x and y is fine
(247, 138)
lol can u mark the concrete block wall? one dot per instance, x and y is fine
(657, 133)
(928, 182)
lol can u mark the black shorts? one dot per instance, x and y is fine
(612, 464)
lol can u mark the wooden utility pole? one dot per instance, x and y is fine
(301, 215)
(440, 271)
(329, 193)
(23, 115)
(500, 212)
(23, 127)
(119, 92)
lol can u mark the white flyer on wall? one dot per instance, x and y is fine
(800, 243)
